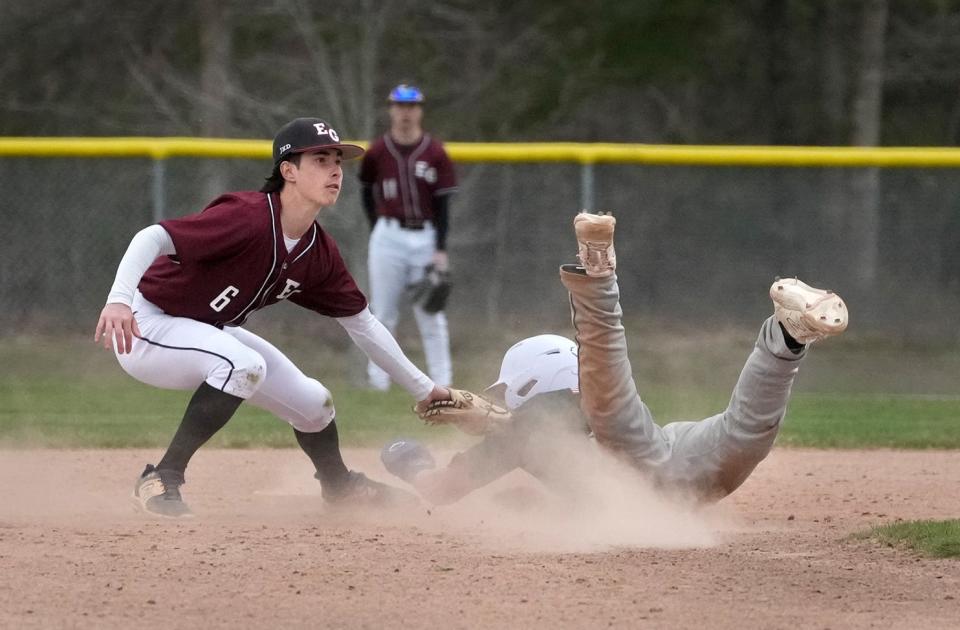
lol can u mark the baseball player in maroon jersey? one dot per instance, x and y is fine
(185, 287)
(407, 179)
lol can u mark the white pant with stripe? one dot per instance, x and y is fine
(398, 258)
(181, 353)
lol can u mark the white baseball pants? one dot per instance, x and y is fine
(180, 353)
(397, 258)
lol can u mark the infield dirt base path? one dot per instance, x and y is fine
(265, 552)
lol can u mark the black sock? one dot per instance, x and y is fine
(792, 344)
(207, 412)
(323, 449)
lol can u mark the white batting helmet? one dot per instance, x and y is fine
(537, 365)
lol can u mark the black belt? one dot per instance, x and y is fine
(408, 224)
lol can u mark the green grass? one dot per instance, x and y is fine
(879, 421)
(118, 412)
(115, 411)
(938, 539)
(66, 393)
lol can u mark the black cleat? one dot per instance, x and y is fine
(157, 492)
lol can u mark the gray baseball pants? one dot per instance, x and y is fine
(709, 458)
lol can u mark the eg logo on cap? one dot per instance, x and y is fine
(310, 134)
(322, 129)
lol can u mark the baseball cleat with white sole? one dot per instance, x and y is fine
(595, 243)
(157, 492)
(806, 313)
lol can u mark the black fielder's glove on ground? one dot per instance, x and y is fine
(467, 411)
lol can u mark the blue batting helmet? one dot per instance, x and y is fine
(404, 93)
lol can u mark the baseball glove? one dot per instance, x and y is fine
(467, 411)
(432, 292)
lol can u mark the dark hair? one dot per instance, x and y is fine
(275, 182)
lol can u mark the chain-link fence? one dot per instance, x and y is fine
(694, 243)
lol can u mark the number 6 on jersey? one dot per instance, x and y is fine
(220, 302)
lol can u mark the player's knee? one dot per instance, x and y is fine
(318, 410)
(247, 373)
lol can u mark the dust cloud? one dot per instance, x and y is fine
(605, 504)
(610, 507)
(597, 503)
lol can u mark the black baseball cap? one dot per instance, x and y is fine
(310, 134)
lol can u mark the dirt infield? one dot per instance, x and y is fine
(264, 550)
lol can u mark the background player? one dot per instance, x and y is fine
(546, 383)
(407, 180)
(185, 286)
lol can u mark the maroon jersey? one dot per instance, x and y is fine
(231, 260)
(407, 177)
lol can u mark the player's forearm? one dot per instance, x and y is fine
(378, 344)
(145, 247)
(444, 486)
(492, 458)
(369, 203)
(441, 219)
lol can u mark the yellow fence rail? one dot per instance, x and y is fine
(580, 153)
(585, 154)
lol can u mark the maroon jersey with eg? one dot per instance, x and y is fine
(407, 177)
(231, 260)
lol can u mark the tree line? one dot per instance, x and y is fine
(684, 71)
